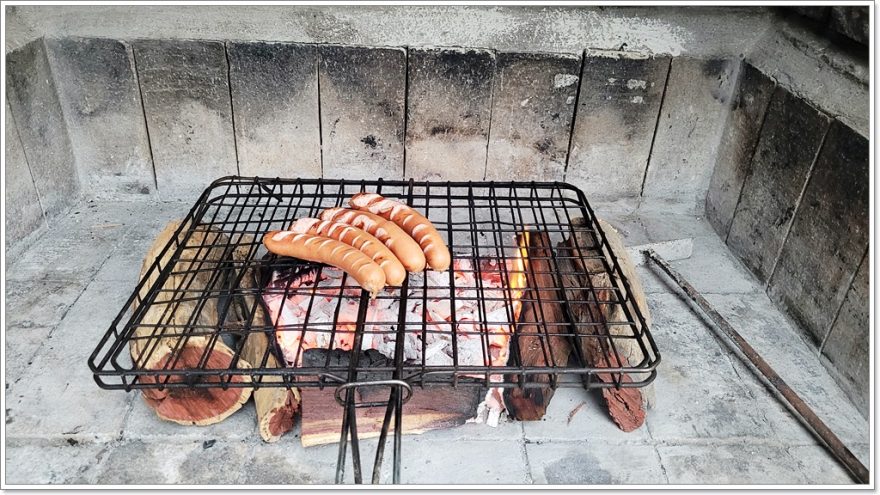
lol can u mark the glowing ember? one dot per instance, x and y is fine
(304, 308)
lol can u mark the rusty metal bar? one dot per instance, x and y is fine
(772, 381)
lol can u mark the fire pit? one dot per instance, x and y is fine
(535, 293)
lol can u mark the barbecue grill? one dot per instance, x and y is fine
(480, 220)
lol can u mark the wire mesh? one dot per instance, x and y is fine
(214, 285)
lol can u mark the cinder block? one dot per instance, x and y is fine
(448, 114)
(694, 110)
(34, 103)
(786, 150)
(275, 100)
(594, 463)
(828, 235)
(99, 93)
(853, 22)
(847, 346)
(619, 99)
(362, 111)
(186, 101)
(23, 214)
(533, 102)
(737, 146)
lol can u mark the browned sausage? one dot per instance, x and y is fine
(399, 242)
(413, 223)
(357, 238)
(330, 251)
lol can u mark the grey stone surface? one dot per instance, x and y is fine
(143, 463)
(700, 395)
(363, 92)
(737, 146)
(275, 104)
(620, 97)
(594, 463)
(448, 113)
(466, 462)
(59, 382)
(533, 103)
(38, 116)
(784, 156)
(70, 251)
(780, 343)
(98, 90)
(697, 31)
(576, 414)
(40, 303)
(852, 21)
(819, 13)
(189, 118)
(820, 466)
(828, 234)
(745, 464)
(67, 464)
(694, 110)
(708, 259)
(21, 345)
(847, 346)
(23, 213)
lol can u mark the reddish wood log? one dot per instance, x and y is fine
(537, 340)
(591, 308)
(157, 341)
(430, 408)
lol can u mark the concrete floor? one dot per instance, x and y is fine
(713, 423)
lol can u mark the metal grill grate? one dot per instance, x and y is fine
(480, 221)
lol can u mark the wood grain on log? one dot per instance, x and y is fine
(430, 408)
(161, 342)
(594, 307)
(539, 338)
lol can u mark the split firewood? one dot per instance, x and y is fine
(163, 341)
(276, 406)
(539, 336)
(600, 311)
(430, 408)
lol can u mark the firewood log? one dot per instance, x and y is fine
(276, 406)
(599, 307)
(430, 408)
(160, 340)
(537, 340)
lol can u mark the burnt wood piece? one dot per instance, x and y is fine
(582, 266)
(539, 338)
(276, 406)
(430, 408)
(162, 342)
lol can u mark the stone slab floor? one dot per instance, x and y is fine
(713, 422)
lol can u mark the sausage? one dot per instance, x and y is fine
(330, 251)
(413, 223)
(399, 242)
(358, 239)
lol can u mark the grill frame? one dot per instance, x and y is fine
(110, 370)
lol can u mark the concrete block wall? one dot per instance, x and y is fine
(164, 118)
(789, 195)
(41, 175)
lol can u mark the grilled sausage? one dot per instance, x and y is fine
(413, 223)
(399, 242)
(358, 239)
(325, 250)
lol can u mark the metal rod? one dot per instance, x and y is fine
(774, 382)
